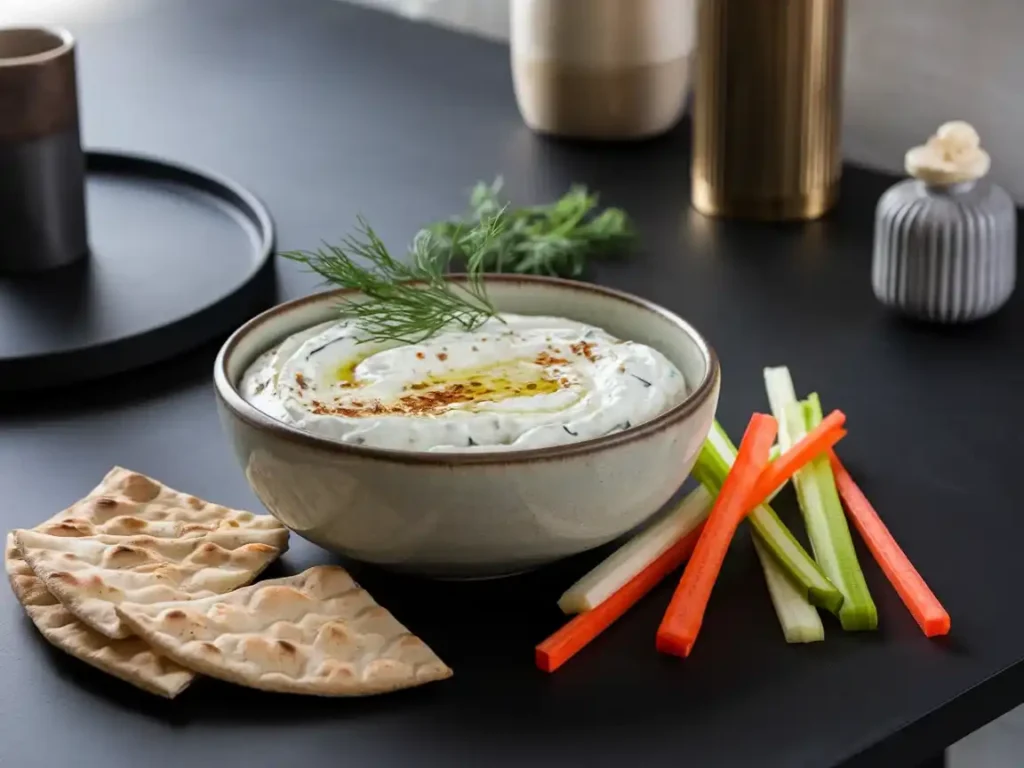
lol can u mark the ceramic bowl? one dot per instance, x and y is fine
(473, 515)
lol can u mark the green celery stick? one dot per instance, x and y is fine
(799, 619)
(826, 523)
(713, 464)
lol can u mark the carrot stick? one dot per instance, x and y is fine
(685, 614)
(919, 599)
(818, 440)
(576, 634)
(573, 636)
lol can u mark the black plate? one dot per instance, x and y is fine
(178, 257)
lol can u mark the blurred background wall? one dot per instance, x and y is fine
(910, 65)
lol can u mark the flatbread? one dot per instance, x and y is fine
(316, 633)
(90, 574)
(131, 660)
(126, 503)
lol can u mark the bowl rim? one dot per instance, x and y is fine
(229, 396)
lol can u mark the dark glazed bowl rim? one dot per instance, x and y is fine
(232, 400)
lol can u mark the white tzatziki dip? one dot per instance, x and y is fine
(516, 382)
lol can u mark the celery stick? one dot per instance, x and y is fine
(799, 619)
(712, 466)
(716, 458)
(636, 554)
(779, 386)
(826, 523)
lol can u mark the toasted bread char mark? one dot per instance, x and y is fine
(139, 487)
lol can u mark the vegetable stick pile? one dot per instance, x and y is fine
(738, 485)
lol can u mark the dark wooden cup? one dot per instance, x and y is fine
(42, 167)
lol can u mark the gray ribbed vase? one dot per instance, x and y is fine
(945, 254)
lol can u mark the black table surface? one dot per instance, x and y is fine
(327, 111)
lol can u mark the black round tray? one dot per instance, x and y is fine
(178, 256)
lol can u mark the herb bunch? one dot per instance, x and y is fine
(409, 301)
(554, 239)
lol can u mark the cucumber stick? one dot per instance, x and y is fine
(636, 554)
(799, 619)
(712, 466)
(819, 502)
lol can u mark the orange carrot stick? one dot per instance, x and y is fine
(571, 638)
(576, 634)
(816, 442)
(919, 599)
(681, 623)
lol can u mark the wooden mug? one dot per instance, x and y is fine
(42, 166)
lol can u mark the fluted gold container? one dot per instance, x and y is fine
(767, 109)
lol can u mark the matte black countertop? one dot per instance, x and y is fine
(326, 111)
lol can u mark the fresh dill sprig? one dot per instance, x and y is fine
(554, 239)
(411, 300)
(408, 302)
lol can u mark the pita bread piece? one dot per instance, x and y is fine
(316, 633)
(89, 575)
(131, 660)
(126, 503)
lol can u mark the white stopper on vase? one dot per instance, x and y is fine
(952, 156)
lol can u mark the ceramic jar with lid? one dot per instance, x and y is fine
(945, 239)
(601, 69)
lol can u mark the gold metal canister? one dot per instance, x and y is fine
(767, 110)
